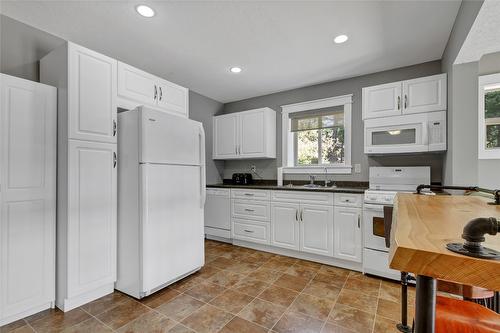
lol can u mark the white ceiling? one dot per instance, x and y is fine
(484, 36)
(279, 44)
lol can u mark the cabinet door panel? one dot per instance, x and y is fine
(252, 134)
(425, 94)
(91, 95)
(173, 98)
(285, 225)
(316, 228)
(92, 216)
(382, 101)
(27, 199)
(347, 233)
(225, 136)
(136, 85)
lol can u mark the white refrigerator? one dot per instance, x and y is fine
(161, 195)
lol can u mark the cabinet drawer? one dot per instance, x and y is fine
(221, 192)
(251, 231)
(317, 198)
(348, 199)
(250, 194)
(251, 209)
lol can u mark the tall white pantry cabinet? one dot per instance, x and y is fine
(87, 189)
(27, 197)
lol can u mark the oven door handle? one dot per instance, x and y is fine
(375, 208)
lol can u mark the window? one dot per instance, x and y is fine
(316, 134)
(489, 117)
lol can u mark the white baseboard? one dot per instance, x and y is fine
(24, 314)
(355, 266)
(74, 302)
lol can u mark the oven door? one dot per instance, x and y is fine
(374, 229)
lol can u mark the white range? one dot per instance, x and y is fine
(385, 183)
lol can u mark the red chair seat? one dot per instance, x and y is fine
(453, 315)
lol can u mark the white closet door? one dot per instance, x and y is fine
(91, 95)
(91, 216)
(27, 197)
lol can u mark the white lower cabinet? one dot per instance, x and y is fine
(316, 229)
(347, 233)
(251, 231)
(87, 224)
(285, 225)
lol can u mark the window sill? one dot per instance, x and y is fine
(341, 169)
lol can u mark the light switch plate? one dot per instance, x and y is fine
(357, 168)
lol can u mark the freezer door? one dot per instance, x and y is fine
(172, 223)
(170, 139)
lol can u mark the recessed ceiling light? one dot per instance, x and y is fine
(340, 39)
(235, 69)
(145, 11)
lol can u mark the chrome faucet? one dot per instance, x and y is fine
(326, 177)
(311, 179)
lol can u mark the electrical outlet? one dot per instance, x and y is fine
(357, 168)
(253, 168)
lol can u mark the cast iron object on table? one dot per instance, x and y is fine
(473, 235)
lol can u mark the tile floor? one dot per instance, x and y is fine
(241, 291)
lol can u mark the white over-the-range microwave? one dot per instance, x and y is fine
(410, 133)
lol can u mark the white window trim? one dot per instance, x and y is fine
(484, 153)
(287, 136)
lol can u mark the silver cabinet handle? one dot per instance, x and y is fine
(406, 101)
(250, 231)
(249, 194)
(296, 215)
(399, 102)
(249, 210)
(359, 221)
(114, 127)
(236, 149)
(156, 92)
(161, 93)
(301, 215)
(114, 159)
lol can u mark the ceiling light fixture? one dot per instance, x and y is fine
(145, 11)
(235, 70)
(340, 39)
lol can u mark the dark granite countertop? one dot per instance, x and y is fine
(342, 187)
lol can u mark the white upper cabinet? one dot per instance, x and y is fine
(382, 101)
(136, 87)
(420, 95)
(424, 94)
(316, 229)
(347, 233)
(225, 136)
(247, 134)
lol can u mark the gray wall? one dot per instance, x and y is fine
(267, 168)
(22, 46)
(202, 109)
(460, 163)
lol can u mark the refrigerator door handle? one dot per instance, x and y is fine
(203, 181)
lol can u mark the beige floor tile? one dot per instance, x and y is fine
(207, 319)
(262, 313)
(240, 325)
(265, 275)
(312, 306)
(250, 287)
(105, 303)
(180, 307)
(370, 288)
(231, 301)
(298, 323)
(384, 325)
(351, 318)
(278, 295)
(392, 310)
(332, 328)
(322, 289)
(291, 282)
(19, 324)
(56, 320)
(122, 314)
(302, 271)
(87, 326)
(179, 328)
(358, 300)
(277, 265)
(205, 291)
(151, 322)
(226, 278)
(160, 297)
(336, 280)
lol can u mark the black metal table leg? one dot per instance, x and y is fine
(403, 326)
(425, 309)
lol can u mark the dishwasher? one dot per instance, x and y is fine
(218, 214)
